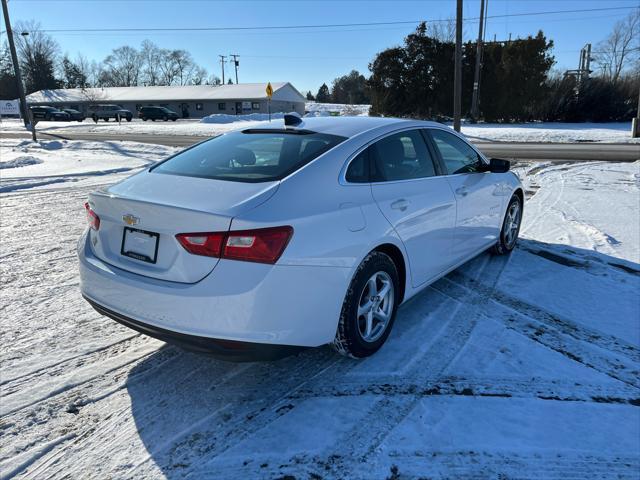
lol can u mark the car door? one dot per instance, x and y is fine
(477, 191)
(416, 201)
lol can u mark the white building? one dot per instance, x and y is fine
(188, 101)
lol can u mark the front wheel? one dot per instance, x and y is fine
(369, 307)
(510, 227)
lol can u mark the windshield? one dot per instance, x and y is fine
(248, 156)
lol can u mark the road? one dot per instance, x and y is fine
(615, 152)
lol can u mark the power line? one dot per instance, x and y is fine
(334, 25)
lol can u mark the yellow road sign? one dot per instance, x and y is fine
(269, 90)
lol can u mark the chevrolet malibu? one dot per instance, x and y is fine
(259, 242)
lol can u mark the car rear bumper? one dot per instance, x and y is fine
(224, 349)
(250, 303)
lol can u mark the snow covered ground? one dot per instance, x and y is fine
(619, 132)
(26, 165)
(510, 367)
(217, 124)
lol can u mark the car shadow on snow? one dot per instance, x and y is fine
(197, 415)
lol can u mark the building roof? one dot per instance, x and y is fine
(283, 91)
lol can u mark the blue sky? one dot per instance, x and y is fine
(305, 57)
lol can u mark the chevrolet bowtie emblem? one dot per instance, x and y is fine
(130, 219)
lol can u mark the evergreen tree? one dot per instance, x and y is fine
(74, 77)
(351, 88)
(230, 82)
(416, 79)
(323, 95)
(310, 96)
(8, 83)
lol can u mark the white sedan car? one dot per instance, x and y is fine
(253, 244)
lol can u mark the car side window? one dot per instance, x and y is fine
(457, 155)
(401, 156)
(358, 171)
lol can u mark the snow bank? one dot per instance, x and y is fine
(21, 162)
(335, 109)
(251, 117)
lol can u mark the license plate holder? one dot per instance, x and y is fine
(140, 244)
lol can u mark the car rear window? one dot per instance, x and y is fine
(248, 156)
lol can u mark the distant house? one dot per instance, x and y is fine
(188, 101)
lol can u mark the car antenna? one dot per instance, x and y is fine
(292, 119)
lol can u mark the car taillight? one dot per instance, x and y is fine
(207, 244)
(263, 245)
(92, 218)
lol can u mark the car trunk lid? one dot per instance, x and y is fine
(140, 217)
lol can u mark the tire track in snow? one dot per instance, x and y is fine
(619, 366)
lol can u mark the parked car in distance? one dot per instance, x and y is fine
(107, 112)
(49, 114)
(259, 242)
(75, 114)
(157, 113)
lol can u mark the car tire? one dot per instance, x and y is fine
(174, 119)
(153, 119)
(144, 119)
(360, 332)
(106, 119)
(510, 228)
(165, 118)
(129, 119)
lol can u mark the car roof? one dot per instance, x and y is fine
(349, 126)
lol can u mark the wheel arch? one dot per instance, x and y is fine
(397, 257)
(520, 194)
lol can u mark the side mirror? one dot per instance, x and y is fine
(497, 165)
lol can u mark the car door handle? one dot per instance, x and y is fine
(401, 205)
(462, 191)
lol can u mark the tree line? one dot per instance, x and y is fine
(517, 82)
(44, 67)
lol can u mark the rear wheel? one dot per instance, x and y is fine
(510, 227)
(165, 118)
(369, 308)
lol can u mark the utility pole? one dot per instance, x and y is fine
(635, 122)
(476, 75)
(14, 58)
(457, 75)
(236, 63)
(222, 57)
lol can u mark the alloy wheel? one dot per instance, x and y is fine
(375, 306)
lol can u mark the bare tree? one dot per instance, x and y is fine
(151, 56)
(621, 49)
(185, 66)
(199, 76)
(121, 68)
(443, 30)
(38, 56)
(168, 68)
